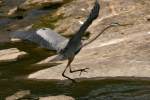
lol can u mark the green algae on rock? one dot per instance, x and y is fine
(47, 21)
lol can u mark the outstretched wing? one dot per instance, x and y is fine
(74, 43)
(93, 15)
(44, 37)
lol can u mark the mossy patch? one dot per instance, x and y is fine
(47, 21)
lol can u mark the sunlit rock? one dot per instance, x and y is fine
(111, 11)
(59, 97)
(48, 61)
(12, 11)
(119, 57)
(119, 52)
(148, 17)
(15, 40)
(1, 2)
(34, 3)
(18, 95)
(12, 54)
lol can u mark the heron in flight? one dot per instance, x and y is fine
(66, 48)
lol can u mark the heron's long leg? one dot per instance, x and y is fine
(63, 74)
(78, 70)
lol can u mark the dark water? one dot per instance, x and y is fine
(12, 79)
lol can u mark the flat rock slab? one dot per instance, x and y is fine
(11, 54)
(47, 61)
(34, 3)
(18, 95)
(122, 57)
(26, 95)
(59, 97)
(119, 52)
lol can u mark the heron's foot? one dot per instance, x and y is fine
(83, 70)
(69, 78)
(79, 70)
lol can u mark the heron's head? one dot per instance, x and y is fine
(118, 24)
(115, 24)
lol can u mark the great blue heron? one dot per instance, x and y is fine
(66, 48)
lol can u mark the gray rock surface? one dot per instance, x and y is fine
(35, 3)
(74, 13)
(59, 97)
(18, 95)
(119, 52)
(1, 2)
(120, 57)
(26, 95)
(12, 11)
(11, 54)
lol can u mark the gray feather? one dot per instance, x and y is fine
(44, 37)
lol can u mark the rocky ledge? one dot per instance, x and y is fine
(59, 97)
(35, 3)
(26, 95)
(119, 52)
(18, 95)
(12, 54)
(121, 57)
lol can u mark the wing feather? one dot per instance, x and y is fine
(74, 44)
(45, 37)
